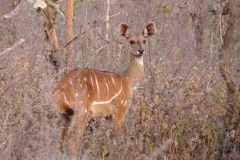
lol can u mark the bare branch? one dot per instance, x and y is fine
(17, 81)
(11, 14)
(103, 21)
(13, 47)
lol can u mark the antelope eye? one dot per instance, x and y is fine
(132, 42)
(144, 41)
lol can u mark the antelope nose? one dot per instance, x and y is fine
(141, 51)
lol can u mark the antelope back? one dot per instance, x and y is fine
(97, 92)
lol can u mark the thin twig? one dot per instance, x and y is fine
(19, 80)
(103, 21)
(13, 47)
(220, 24)
(48, 19)
(76, 37)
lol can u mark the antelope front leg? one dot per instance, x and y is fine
(119, 116)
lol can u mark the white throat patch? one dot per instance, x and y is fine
(140, 60)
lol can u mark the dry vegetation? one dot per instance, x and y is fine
(181, 109)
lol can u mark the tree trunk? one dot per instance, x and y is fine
(51, 36)
(69, 27)
(231, 119)
(225, 59)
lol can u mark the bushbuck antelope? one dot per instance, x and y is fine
(84, 94)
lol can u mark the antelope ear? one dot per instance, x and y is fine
(149, 29)
(124, 30)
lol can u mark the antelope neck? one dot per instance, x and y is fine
(134, 73)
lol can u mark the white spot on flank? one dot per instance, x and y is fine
(110, 100)
(85, 110)
(85, 79)
(125, 103)
(122, 102)
(76, 94)
(134, 88)
(81, 102)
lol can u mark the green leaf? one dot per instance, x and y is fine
(75, 3)
(39, 10)
(161, 8)
(159, 3)
(105, 150)
(165, 9)
(159, 11)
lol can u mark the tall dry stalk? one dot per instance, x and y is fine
(69, 32)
